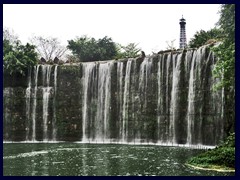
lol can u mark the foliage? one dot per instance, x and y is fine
(225, 66)
(129, 51)
(229, 141)
(72, 59)
(16, 57)
(225, 71)
(9, 35)
(227, 21)
(90, 49)
(202, 37)
(226, 51)
(223, 155)
(49, 47)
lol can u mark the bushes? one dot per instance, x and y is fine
(223, 155)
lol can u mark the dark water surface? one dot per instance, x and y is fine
(69, 159)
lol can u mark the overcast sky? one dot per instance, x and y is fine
(149, 25)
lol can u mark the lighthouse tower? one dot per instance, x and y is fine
(183, 39)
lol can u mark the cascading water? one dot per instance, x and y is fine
(164, 99)
(32, 101)
(103, 101)
(143, 87)
(97, 95)
(28, 105)
(87, 75)
(191, 98)
(120, 97)
(176, 69)
(7, 93)
(46, 72)
(54, 131)
(36, 69)
(163, 103)
(126, 101)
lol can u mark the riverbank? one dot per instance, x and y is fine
(212, 168)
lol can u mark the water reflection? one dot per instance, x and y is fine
(98, 160)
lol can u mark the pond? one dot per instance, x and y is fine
(75, 159)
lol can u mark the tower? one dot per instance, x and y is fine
(183, 39)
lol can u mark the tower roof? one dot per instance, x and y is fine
(182, 20)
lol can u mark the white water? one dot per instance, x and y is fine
(126, 101)
(36, 69)
(174, 95)
(167, 99)
(54, 128)
(32, 102)
(144, 75)
(103, 101)
(28, 104)
(46, 94)
(87, 75)
(160, 100)
(120, 97)
(7, 92)
(46, 72)
(191, 96)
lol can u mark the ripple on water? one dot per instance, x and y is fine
(29, 154)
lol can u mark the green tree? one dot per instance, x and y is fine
(225, 66)
(202, 37)
(16, 57)
(129, 51)
(90, 49)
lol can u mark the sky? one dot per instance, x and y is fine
(151, 26)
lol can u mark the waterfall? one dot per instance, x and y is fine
(7, 93)
(36, 69)
(167, 98)
(28, 104)
(162, 99)
(46, 93)
(31, 100)
(120, 97)
(54, 128)
(126, 101)
(103, 101)
(145, 70)
(46, 72)
(87, 76)
(175, 96)
(135, 101)
(143, 90)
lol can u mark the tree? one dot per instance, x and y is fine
(107, 48)
(171, 45)
(202, 37)
(225, 66)
(129, 51)
(17, 58)
(49, 47)
(90, 49)
(9, 35)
